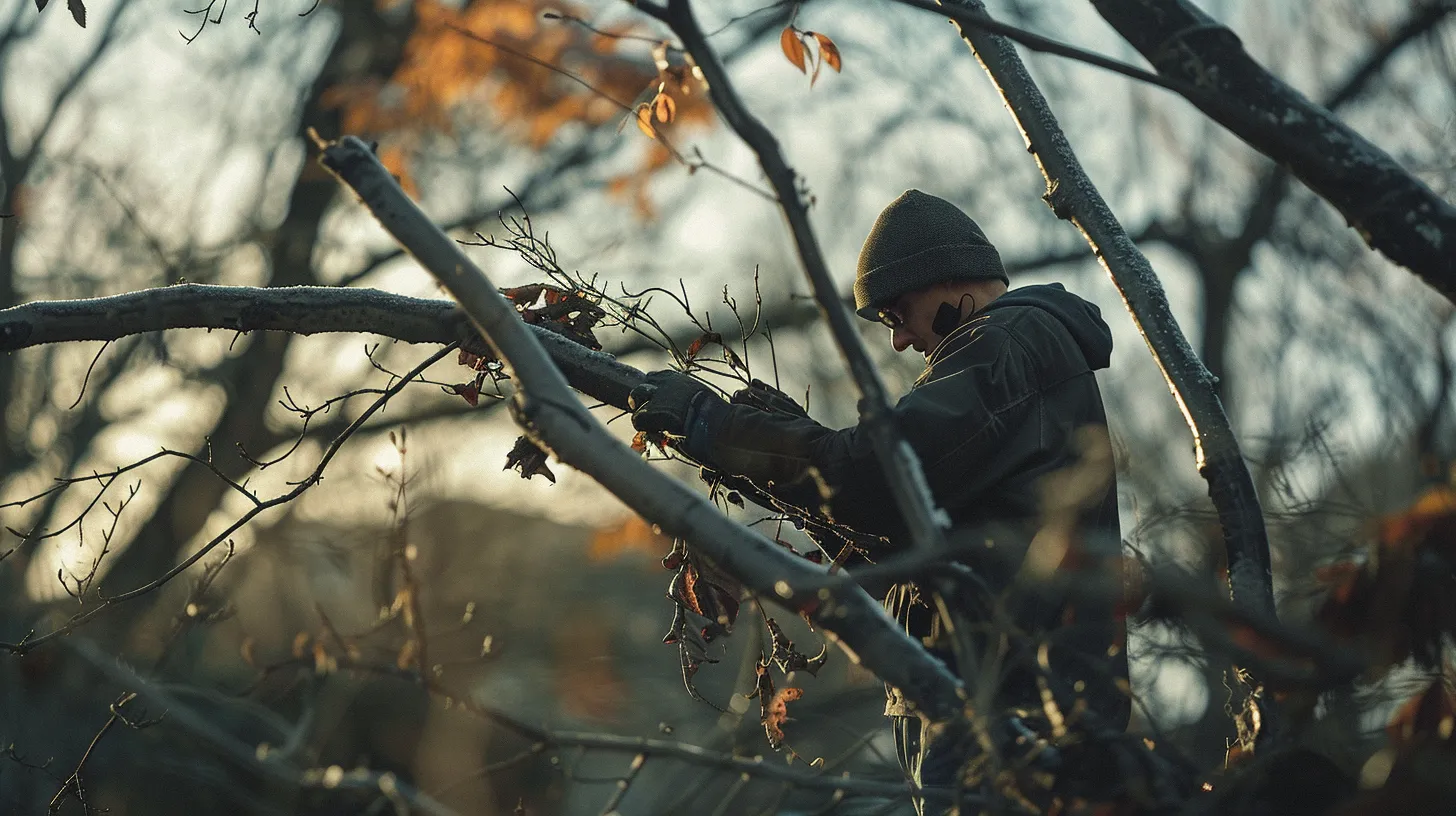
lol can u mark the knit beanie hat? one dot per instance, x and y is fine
(918, 241)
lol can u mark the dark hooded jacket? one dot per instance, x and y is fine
(997, 409)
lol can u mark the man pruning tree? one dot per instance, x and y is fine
(1006, 400)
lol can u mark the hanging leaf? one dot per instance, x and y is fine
(828, 51)
(529, 460)
(664, 107)
(78, 12)
(789, 659)
(794, 48)
(406, 656)
(706, 606)
(644, 120)
(469, 391)
(773, 705)
(696, 347)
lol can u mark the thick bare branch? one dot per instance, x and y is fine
(1391, 209)
(1073, 197)
(548, 410)
(295, 309)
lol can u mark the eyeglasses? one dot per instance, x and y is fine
(889, 318)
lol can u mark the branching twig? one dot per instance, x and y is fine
(554, 418)
(907, 481)
(72, 786)
(31, 640)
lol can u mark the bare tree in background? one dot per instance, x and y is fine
(345, 95)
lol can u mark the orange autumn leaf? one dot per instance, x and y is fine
(644, 120)
(828, 51)
(1396, 599)
(776, 713)
(510, 66)
(664, 106)
(793, 48)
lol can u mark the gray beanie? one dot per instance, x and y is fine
(918, 241)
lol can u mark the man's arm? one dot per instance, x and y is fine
(971, 423)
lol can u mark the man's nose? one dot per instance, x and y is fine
(901, 338)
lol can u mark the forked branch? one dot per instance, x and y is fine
(1072, 196)
(556, 419)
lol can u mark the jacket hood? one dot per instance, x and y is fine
(1082, 319)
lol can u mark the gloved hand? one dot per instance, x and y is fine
(666, 402)
(765, 397)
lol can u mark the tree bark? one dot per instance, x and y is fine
(1393, 211)
(555, 418)
(1072, 196)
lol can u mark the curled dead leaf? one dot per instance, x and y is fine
(468, 391)
(529, 460)
(664, 107)
(773, 705)
(644, 120)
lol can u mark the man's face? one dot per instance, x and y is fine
(910, 319)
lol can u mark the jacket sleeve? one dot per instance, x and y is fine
(962, 421)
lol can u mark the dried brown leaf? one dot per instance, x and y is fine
(776, 713)
(794, 49)
(664, 106)
(696, 347)
(644, 120)
(828, 51)
(468, 391)
(320, 658)
(529, 460)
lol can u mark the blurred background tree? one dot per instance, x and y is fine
(136, 156)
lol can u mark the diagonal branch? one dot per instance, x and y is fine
(1073, 197)
(555, 418)
(1392, 210)
(907, 482)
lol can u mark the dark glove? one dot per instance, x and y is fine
(666, 402)
(765, 397)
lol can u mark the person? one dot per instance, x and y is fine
(1005, 404)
